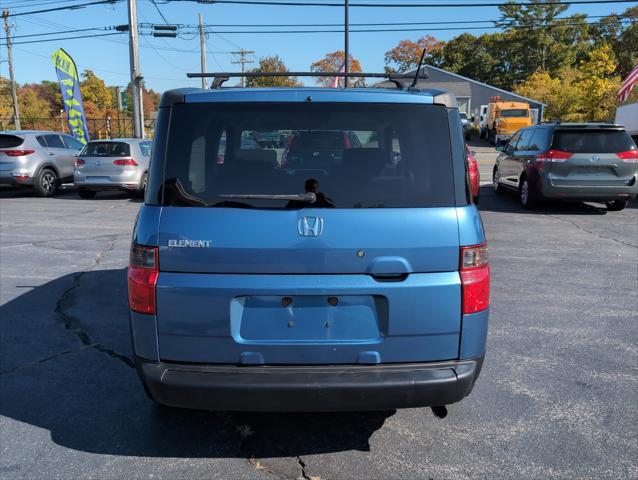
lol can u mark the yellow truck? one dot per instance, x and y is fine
(504, 119)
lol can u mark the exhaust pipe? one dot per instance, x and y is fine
(439, 411)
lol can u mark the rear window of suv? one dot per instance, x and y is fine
(592, 141)
(355, 155)
(106, 149)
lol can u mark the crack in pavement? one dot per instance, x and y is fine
(602, 237)
(35, 363)
(73, 324)
(302, 464)
(44, 242)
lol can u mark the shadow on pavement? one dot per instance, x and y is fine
(88, 396)
(508, 202)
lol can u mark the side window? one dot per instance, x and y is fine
(41, 141)
(396, 149)
(54, 141)
(221, 148)
(72, 143)
(145, 148)
(197, 165)
(540, 140)
(511, 146)
(524, 142)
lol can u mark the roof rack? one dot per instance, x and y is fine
(220, 77)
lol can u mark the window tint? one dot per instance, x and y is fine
(524, 142)
(540, 139)
(54, 141)
(10, 141)
(72, 143)
(404, 159)
(145, 148)
(106, 149)
(514, 112)
(592, 141)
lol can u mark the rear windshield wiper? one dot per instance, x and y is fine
(309, 197)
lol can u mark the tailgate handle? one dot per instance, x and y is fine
(390, 277)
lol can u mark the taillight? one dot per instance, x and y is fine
(629, 156)
(554, 156)
(80, 163)
(17, 153)
(475, 278)
(143, 271)
(125, 162)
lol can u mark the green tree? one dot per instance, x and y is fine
(94, 90)
(271, 64)
(623, 37)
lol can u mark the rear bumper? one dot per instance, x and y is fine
(588, 192)
(308, 388)
(130, 181)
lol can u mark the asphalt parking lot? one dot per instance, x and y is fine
(557, 396)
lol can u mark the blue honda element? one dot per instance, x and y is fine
(339, 266)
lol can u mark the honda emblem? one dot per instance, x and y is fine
(310, 226)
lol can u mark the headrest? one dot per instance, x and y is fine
(263, 157)
(368, 161)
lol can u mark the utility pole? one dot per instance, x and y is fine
(243, 61)
(136, 77)
(346, 41)
(14, 93)
(202, 47)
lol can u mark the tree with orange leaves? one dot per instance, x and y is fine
(405, 56)
(333, 62)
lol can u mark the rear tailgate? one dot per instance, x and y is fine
(596, 158)
(351, 298)
(8, 160)
(270, 282)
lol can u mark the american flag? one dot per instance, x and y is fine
(335, 83)
(628, 84)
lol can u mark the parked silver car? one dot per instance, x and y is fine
(39, 159)
(118, 164)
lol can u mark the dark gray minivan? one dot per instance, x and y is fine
(577, 161)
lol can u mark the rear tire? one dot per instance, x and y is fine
(616, 205)
(45, 183)
(498, 188)
(139, 193)
(87, 194)
(527, 196)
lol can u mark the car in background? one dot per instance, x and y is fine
(318, 149)
(475, 176)
(312, 284)
(117, 164)
(37, 159)
(570, 161)
(467, 125)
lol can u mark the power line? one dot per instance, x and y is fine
(67, 7)
(398, 5)
(378, 24)
(75, 37)
(379, 30)
(63, 32)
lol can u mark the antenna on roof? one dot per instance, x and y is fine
(418, 69)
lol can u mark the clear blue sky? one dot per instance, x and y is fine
(164, 69)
